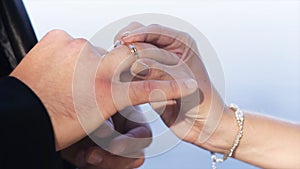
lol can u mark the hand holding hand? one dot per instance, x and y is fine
(75, 83)
(193, 118)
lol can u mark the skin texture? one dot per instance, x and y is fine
(259, 145)
(86, 154)
(188, 116)
(49, 70)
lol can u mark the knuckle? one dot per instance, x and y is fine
(78, 43)
(56, 32)
(56, 35)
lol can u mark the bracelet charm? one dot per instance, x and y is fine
(239, 116)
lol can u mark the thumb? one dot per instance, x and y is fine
(140, 92)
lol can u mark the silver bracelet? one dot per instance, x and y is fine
(239, 115)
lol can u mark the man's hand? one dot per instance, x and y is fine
(86, 154)
(81, 89)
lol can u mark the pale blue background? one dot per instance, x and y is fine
(258, 44)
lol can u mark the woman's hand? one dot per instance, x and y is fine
(196, 117)
(81, 89)
(259, 145)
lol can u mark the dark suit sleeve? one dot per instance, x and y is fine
(26, 138)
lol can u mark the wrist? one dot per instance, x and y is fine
(63, 119)
(223, 137)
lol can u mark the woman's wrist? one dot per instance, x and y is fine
(222, 139)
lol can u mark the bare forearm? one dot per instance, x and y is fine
(267, 142)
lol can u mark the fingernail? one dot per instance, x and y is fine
(95, 158)
(140, 69)
(118, 43)
(125, 34)
(191, 84)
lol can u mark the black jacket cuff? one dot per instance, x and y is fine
(27, 136)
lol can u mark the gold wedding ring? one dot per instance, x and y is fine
(131, 47)
(133, 50)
